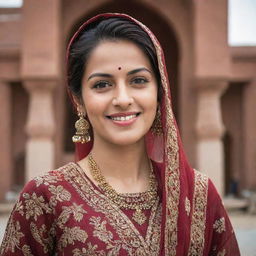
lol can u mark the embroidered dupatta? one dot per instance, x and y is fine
(187, 220)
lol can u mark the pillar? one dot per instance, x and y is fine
(210, 129)
(211, 71)
(40, 128)
(5, 138)
(40, 70)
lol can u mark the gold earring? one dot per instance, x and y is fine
(157, 128)
(82, 130)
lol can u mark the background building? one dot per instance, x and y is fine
(213, 86)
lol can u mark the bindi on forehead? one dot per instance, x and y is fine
(119, 68)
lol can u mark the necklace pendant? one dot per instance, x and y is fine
(139, 217)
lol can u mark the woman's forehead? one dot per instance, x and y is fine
(117, 55)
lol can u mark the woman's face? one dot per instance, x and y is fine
(119, 92)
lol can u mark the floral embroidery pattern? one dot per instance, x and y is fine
(90, 250)
(199, 215)
(58, 225)
(34, 206)
(26, 250)
(47, 179)
(129, 238)
(76, 210)
(38, 234)
(12, 237)
(70, 235)
(219, 225)
(105, 236)
(58, 194)
(187, 206)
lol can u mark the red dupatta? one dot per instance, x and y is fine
(180, 186)
(165, 150)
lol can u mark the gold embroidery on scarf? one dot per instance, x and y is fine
(187, 206)
(198, 215)
(172, 183)
(219, 225)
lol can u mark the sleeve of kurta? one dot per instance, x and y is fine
(222, 236)
(30, 230)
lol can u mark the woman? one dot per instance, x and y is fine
(132, 191)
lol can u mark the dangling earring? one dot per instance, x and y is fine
(157, 128)
(82, 130)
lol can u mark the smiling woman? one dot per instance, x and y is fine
(131, 191)
(126, 99)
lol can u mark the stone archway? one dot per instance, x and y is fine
(160, 27)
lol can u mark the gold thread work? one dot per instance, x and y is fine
(128, 201)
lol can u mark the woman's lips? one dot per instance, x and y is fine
(124, 119)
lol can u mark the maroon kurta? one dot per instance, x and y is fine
(64, 213)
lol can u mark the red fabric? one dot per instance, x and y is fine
(63, 213)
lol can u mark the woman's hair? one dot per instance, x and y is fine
(112, 29)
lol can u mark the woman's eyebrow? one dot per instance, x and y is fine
(138, 70)
(100, 75)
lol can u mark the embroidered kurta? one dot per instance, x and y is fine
(64, 213)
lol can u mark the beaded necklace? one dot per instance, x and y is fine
(131, 201)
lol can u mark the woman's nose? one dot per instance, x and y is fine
(123, 97)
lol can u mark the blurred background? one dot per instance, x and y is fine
(210, 51)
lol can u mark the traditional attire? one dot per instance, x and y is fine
(64, 213)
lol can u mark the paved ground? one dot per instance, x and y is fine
(244, 225)
(245, 228)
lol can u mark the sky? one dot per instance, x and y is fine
(241, 20)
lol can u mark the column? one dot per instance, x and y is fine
(40, 128)
(210, 128)
(40, 69)
(5, 138)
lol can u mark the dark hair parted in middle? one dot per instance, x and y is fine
(111, 29)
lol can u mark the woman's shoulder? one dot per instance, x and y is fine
(56, 177)
(203, 182)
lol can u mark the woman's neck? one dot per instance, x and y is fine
(126, 168)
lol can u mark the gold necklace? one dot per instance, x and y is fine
(129, 201)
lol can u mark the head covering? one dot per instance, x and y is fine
(165, 150)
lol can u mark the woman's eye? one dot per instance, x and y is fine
(139, 80)
(101, 85)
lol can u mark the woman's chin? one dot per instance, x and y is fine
(123, 140)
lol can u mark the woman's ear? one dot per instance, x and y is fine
(79, 104)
